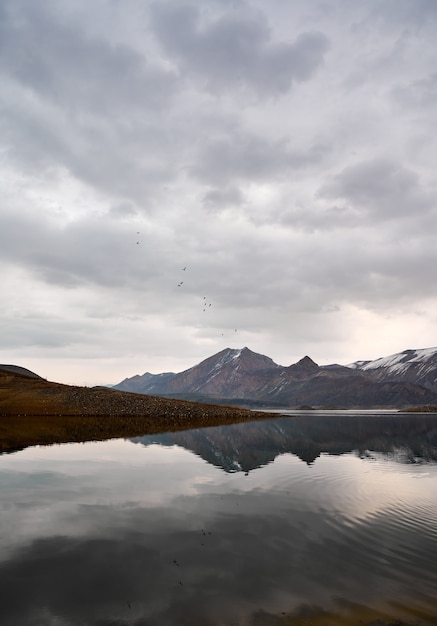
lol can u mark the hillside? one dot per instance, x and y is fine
(36, 411)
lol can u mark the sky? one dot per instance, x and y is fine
(179, 177)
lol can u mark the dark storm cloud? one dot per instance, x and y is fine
(215, 199)
(89, 97)
(383, 188)
(115, 159)
(41, 329)
(79, 101)
(236, 50)
(417, 96)
(248, 157)
(61, 63)
(123, 208)
(89, 251)
(414, 13)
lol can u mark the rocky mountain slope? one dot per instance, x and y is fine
(406, 379)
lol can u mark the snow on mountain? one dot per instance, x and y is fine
(414, 366)
(407, 356)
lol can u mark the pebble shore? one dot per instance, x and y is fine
(36, 411)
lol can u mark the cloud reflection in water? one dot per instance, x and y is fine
(127, 537)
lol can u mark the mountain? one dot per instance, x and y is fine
(229, 373)
(246, 378)
(147, 383)
(411, 366)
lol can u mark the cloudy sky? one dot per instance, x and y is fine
(284, 153)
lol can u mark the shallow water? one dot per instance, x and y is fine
(314, 519)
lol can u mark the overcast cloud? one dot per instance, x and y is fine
(283, 153)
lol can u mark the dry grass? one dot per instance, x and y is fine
(35, 411)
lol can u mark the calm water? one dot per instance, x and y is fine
(314, 519)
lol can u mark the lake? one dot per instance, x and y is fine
(308, 519)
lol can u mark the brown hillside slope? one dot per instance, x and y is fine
(35, 411)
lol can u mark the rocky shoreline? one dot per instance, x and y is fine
(34, 411)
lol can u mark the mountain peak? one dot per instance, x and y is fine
(308, 363)
(303, 369)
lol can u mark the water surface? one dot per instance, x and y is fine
(312, 519)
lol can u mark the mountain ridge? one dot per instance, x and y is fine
(402, 379)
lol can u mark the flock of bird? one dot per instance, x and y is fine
(206, 305)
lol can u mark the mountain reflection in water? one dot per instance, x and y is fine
(407, 438)
(116, 533)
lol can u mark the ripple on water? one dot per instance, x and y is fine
(378, 517)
